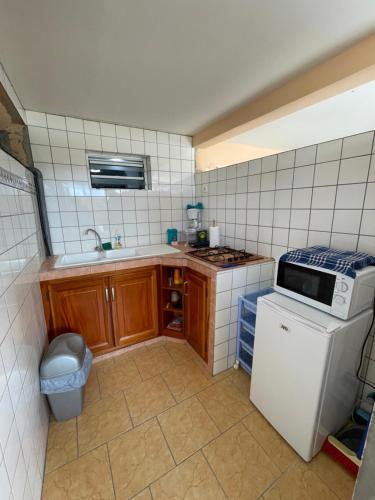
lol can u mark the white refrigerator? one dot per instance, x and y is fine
(303, 377)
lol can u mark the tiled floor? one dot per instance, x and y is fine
(155, 426)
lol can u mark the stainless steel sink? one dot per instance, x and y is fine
(93, 258)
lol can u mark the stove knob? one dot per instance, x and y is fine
(230, 259)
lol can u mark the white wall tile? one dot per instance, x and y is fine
(326, 173)
(297, 238)
(344, 241)
(321, 220)
(91, 127)
(319, 238)
(354, 170)
(329, 151)
(74, 124)
(108, 129)
(368, 224)
(56, 122)
(370, 196)
(324, 197)
(67, 176)
(268, 181)
(286, 160)
(357, 145)
(350, 196)
(299, 219)
(301, 198)
(58, 138)
(39, 135)
(21, 311)
(284, 179)
(347, 221)
(36, 118)
(269, 163)
(305, 156)
(303, 176)
(76, 140)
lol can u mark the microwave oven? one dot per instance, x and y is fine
(329, 291)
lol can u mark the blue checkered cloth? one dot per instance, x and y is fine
(341, 261)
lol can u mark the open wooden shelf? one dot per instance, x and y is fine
(177, 288)
(169, 313)
(173, 309)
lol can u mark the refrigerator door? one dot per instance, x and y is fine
(288, 377)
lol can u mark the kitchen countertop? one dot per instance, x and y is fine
(49, 272)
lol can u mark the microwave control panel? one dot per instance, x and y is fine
(342, 294)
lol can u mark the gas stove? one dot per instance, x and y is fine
(223, 256)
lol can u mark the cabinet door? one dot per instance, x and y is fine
(134, 305)
(80, 306)
(196, 311)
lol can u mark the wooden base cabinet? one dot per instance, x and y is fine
(108, 311)
(134, 307)
(196, 288)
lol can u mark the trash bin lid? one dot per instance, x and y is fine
(65, 355)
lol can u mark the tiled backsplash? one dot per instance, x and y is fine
(322, 194)
(59, 146)
(23, 411)
(317, 195)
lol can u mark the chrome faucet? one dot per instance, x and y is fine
(99, 247)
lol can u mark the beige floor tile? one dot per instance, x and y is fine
(143, 495)
(155, 345)
(92, 391)
(130, 354)
(221, 376)
(179, 352)
(153, 362)
(241, 380)
(138, 458)
(62, 443)
(192, 480)
(88, 477)
(240, 464)
(102, 421)
(333, 475)
(299, 483)
(225, 404)
(103, 364)
(186, 380)
(118, 377)
(148, 399)
(270, 440)
(187, 427)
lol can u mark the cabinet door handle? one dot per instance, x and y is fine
(106, 294)
(113, 293)
(186, 287)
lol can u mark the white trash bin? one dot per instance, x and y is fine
(63, 374)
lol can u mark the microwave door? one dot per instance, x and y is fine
(304, 282)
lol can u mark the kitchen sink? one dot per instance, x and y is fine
(121, 253)
(93, 258)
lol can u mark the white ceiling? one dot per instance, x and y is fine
(173, 65)
(349, 113)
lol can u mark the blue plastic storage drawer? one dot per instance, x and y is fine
(246, 334)
(247, 313)
(246, 357)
